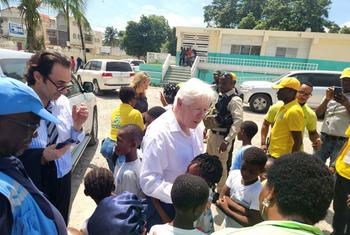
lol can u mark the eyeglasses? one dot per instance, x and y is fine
(59, 88)
(304, 94)
(30, 125)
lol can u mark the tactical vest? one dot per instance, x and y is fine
(27, 215)
(223, 115)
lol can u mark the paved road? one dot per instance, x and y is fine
(83, 207)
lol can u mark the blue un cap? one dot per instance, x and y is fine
(17, 97)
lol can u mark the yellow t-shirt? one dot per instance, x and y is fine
(341, 167)
(122, 115)
(290, 117)
(310, 118)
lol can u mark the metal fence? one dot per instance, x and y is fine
(263, 63)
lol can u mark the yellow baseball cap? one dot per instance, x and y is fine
(345, 73)
(231, 76)
(288, 82)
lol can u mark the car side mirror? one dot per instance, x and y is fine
(88, 87)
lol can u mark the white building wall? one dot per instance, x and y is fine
(228, 40)
(302, 44)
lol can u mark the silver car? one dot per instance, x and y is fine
(260, 95)
(13, 64)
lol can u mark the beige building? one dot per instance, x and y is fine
(13, 35)
(243, 43)
(53, 30)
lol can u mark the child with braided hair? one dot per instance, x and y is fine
(99, 184)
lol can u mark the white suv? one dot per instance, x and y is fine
(260, 95)
(13, 64)
(106, 74)
(135, 63)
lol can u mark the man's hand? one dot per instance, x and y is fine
(342, 100)
(222, 203)
(331, 169)
(51, 153)
(330, 93)
(264, 147)
(162, 99)
(223, 147)
(317, 144)
(80, 115)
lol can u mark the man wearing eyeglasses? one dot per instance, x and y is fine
(229, 116)
(310, 119)
(23, 208)
(49, 74)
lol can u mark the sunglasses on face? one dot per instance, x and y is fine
(30, 125)
(59, 88)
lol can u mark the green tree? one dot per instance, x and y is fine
(147, 35)
(345, 29)
(75, 8)
(120, 40)
(253, 7)
(296, 15)
(247, 22)
(171, 43)
(332, 27)
(222, 14)
(110, 36)
(292, 15)
(31, 17)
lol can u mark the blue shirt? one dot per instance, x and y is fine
(62, 110)
(12, 167)
(237, 160)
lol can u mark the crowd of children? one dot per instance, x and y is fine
(122, 207)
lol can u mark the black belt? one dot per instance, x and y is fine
(223, 133)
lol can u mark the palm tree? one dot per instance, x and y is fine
(110, 37)
(68, 8)
(31, 17)
(77, 9)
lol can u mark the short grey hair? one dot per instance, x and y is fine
(195, 88)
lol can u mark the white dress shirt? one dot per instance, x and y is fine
(167, 151)
(62, 110)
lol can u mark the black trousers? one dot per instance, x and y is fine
(341, 218)
(57, 190)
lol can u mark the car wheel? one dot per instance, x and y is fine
(260, 103)
(94, 129)
(97, 90)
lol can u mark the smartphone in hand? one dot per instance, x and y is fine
(338, 91)
(67, 141)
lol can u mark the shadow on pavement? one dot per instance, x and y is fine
(109, 95)
(81, 168)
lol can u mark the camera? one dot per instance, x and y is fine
(338, 91)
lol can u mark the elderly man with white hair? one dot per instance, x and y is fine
(170, 143)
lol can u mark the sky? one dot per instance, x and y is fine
(103, 13)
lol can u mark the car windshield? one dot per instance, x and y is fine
(279, 77)
(118, 66)
(14, 68)
(136, 62)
